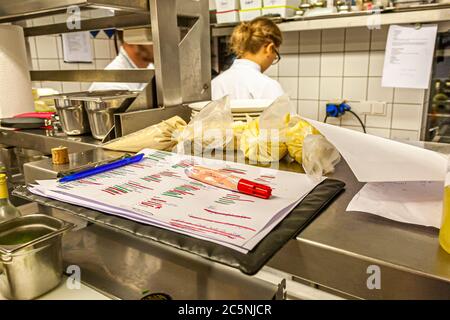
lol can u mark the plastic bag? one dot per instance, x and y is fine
(238, 128)
(295, 135)
(211, 128)
(161, 136)
(263, 139)
(319, 156)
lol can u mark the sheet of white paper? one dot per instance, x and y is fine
(121, 213)
(77, 47)
(409, 202)
(157, 191)
(409, 56)
(376, 159)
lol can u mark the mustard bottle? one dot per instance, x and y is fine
(444, 233)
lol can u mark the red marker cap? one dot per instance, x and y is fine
(254, 189)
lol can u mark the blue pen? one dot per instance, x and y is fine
(102, 168)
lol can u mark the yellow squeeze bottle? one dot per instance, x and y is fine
(444, 233)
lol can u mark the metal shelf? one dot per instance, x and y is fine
(426, 13)
(135, 76)
(439, 115)
(117, 21)
(26, 9)
(168, 19)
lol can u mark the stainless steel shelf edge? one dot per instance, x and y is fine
(134, 76)
(420, 15)
(27, 9)
(118, 21)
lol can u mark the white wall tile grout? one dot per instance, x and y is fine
(343, 64)
(320, 73)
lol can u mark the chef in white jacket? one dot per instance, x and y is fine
(256, 45)
(131, 56)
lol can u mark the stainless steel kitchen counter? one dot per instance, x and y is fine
(335, 251)
(45, 140)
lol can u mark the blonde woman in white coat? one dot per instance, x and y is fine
(256, 45)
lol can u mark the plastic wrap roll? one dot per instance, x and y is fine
(15, 84)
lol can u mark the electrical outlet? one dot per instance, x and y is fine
(378, 108)
(362, 107)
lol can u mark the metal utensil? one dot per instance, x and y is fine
(30, 255)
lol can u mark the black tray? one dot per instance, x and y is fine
(249, 263)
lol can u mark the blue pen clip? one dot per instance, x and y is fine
(102, 168)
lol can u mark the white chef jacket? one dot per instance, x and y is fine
(244, 80)
(121, 62)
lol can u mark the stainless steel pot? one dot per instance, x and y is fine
(30, 255)
(73, 116)
(101, 107)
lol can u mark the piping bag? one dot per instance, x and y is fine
(228, 181)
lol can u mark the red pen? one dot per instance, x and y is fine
(227, 181)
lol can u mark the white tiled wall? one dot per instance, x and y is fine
(46, 53)
(318, 66)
